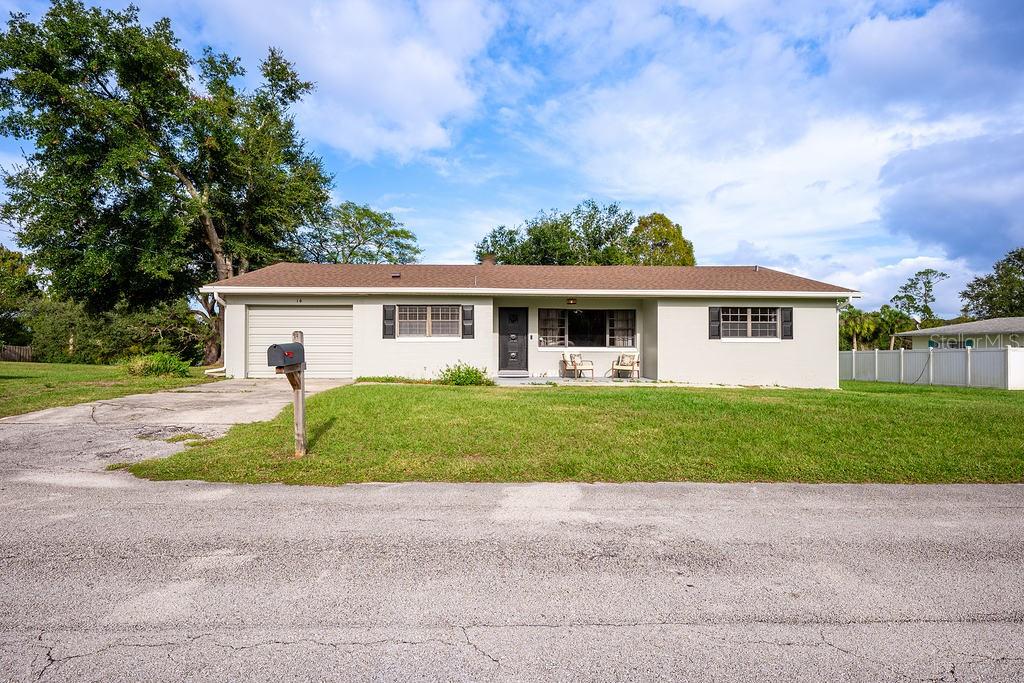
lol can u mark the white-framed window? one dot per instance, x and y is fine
(750, 321)
(622, 329)
(552, 323)
(431, 320)
(565, 327)
(445, 321)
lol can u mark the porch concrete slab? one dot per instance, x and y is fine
(574, 382)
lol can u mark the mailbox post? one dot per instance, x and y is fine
(290, 360)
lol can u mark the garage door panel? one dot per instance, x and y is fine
(327, 333)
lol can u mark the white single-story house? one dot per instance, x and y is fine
(994, 333)
(731, 325)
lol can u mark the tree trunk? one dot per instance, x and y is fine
(221, 261)
(212, 349)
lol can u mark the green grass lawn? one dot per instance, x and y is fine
(25, 387)
(866, 433)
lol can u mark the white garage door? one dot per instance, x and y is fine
(327, 333)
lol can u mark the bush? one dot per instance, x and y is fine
(464, 374)
(64, 332)
(157, 364)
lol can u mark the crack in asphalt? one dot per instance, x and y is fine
(1012, 618)
(216, 641)
(469, 641)
(979, 619)
(51, 660)
(57, 661)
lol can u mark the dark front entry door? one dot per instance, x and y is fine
(512, 334)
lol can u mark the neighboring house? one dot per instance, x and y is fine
(732, 325)
(994, 333)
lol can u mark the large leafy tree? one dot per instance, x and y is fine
(657, 241)
(916, 296)
(589, 234)
(19, 286)
(146, 181)
(355, 233)
(1000, 294)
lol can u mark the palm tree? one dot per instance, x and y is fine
(857, 324)
(892, 320)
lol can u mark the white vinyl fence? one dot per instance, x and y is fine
(1000, 368)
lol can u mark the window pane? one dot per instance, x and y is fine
(734, 322)
(622, 328)
(445, 321)
(587, 328)
(764, 322)
(551, 323)
(412, 321)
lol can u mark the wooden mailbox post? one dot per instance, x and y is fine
(297, 378)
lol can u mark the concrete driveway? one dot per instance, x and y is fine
(89, 436)
(105, 577)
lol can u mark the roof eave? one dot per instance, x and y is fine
(492, 291)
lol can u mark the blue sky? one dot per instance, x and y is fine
(851, 141)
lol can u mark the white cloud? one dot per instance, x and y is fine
(927, 65)
(879, 283)
(450, 236)
(764, 127)
(391, 78)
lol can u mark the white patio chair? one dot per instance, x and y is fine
(574, 363)
(627, 362)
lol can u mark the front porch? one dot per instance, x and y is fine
(534, 334)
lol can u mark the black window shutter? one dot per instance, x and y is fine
(467, 322)
(787, 322)
(389, 321)
(714, 322)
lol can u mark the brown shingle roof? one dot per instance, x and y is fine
(490, 277)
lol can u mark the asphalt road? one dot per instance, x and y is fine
(105, 577)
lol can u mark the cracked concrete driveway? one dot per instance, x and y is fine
(105, 577)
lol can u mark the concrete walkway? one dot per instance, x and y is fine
(106, 577)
